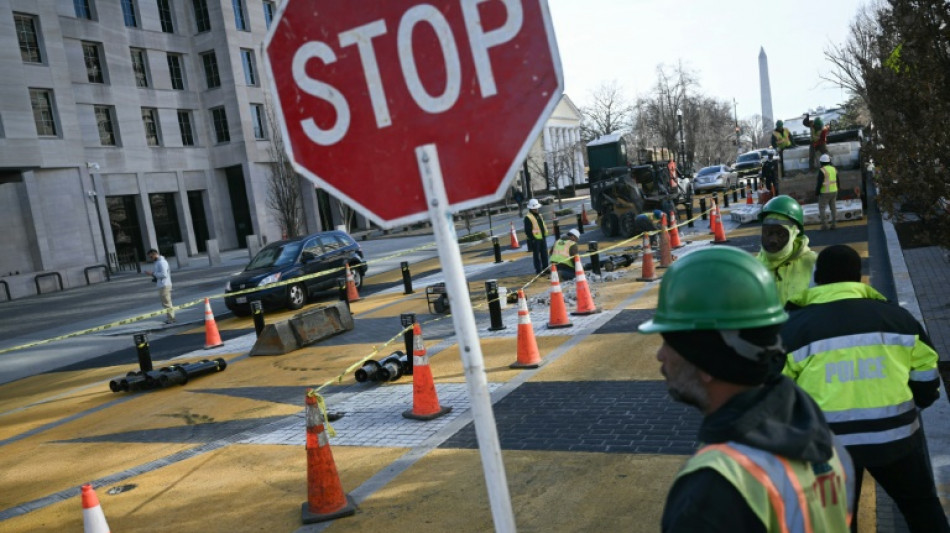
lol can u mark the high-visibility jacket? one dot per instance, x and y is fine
(787, 495)
(782, 138)
(830, 184)
(561, 253)
(538, 230)
(792, 274)
(867, 363)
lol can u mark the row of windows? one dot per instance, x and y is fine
(85, 9)
(44, 116)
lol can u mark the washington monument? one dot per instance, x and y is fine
(766, 90)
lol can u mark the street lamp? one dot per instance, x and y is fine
(92, 195)
(679, 119)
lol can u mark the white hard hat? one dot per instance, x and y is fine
(534, 204)
(574, 233)
(825, 158)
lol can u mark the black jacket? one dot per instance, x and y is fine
(778, 417)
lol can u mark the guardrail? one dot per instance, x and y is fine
(104, 268)
(36, 280)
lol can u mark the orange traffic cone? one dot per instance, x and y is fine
(675, 241)
(558, 317)
(748, 195)
(352, 295)
(647, 273)
(720, 230)
(425, 402)
(585, 302)
(212, 337)
(528, 354)
(666, 253)
(712, 216)
(514, 238)
(93, 520)
(325, 497)
(584, 220)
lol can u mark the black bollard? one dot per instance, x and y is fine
(735, 196)
(497, 247)
(141, 349)
(494, 305)
(742, 192)
(725, 198)
(702, 208)
(406, 277)
(594, 257)
(408, 319)
(755, 183)
(257, 311)
(341, 292)
(689, 215)
(580, 225)
(557, 230)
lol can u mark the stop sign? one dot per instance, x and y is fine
(360, 85)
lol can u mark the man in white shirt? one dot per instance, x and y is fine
(163, 279)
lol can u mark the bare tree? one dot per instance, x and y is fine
(283, 186)
(609, 112)
(755, 130)
(852, 58)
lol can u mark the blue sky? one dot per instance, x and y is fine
(623, 41)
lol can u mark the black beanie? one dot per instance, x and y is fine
(709, 352)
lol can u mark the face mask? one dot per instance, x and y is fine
(778, 240)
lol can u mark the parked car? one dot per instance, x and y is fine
(294, 258)
(749, 164)
(764, 154)
(714, 178)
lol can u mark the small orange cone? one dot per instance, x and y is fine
(425, 401)
(352, 295)
(558, 317)
(720, 230)
(325, 497)
(647, 273)
(528, 354)
(666, 253)
(675, 241)
(514, 238)
(212, 337)
(585, 302)
(712, 216)
(748, 195)
(93, 520)
(584, 220)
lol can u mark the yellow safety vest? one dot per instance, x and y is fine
(562, 252)
(831, 179)
(788, 496)
(782, 141)
(537, 225)
(794, 276)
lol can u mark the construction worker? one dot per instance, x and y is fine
(671, 168)
(827, 191)
(770, 175)
(819, 138)
(648, 223)
(536, 235)
(785, 250)
(563, 252)
(781, 139)
(869, 364)
(768, 461)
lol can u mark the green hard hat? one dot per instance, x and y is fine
(721, 288)
(818, 123)
(779, 123)
(787, 206)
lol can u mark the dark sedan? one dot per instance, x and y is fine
(749, 164)
(294, 258)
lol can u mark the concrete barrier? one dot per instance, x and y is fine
(303, 329)
(253, 245)
(181, 254)
(214, 253)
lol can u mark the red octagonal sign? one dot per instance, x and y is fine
(360, 85)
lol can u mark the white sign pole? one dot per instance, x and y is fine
(471, 351)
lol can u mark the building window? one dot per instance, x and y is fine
(150, 122)
(250, 67)
(140, 67)
(220, 120)
(93, 58)
(184, 125)
(268, 13)
(165, 14)
(82, 8)
(211, 69)
(240, 17)
(128, 14)
(257, 117)
(202, 18)
(43, 113)
(176, 72)
(106, 124)
(27, 35)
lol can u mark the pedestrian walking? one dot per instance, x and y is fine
(162, 278)
(770, 175)
(781, 140)
(519, 199)
(563, 252)
(827, 191)
(768, 461)
(536, 235)
(785, 252)
(870, 365)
